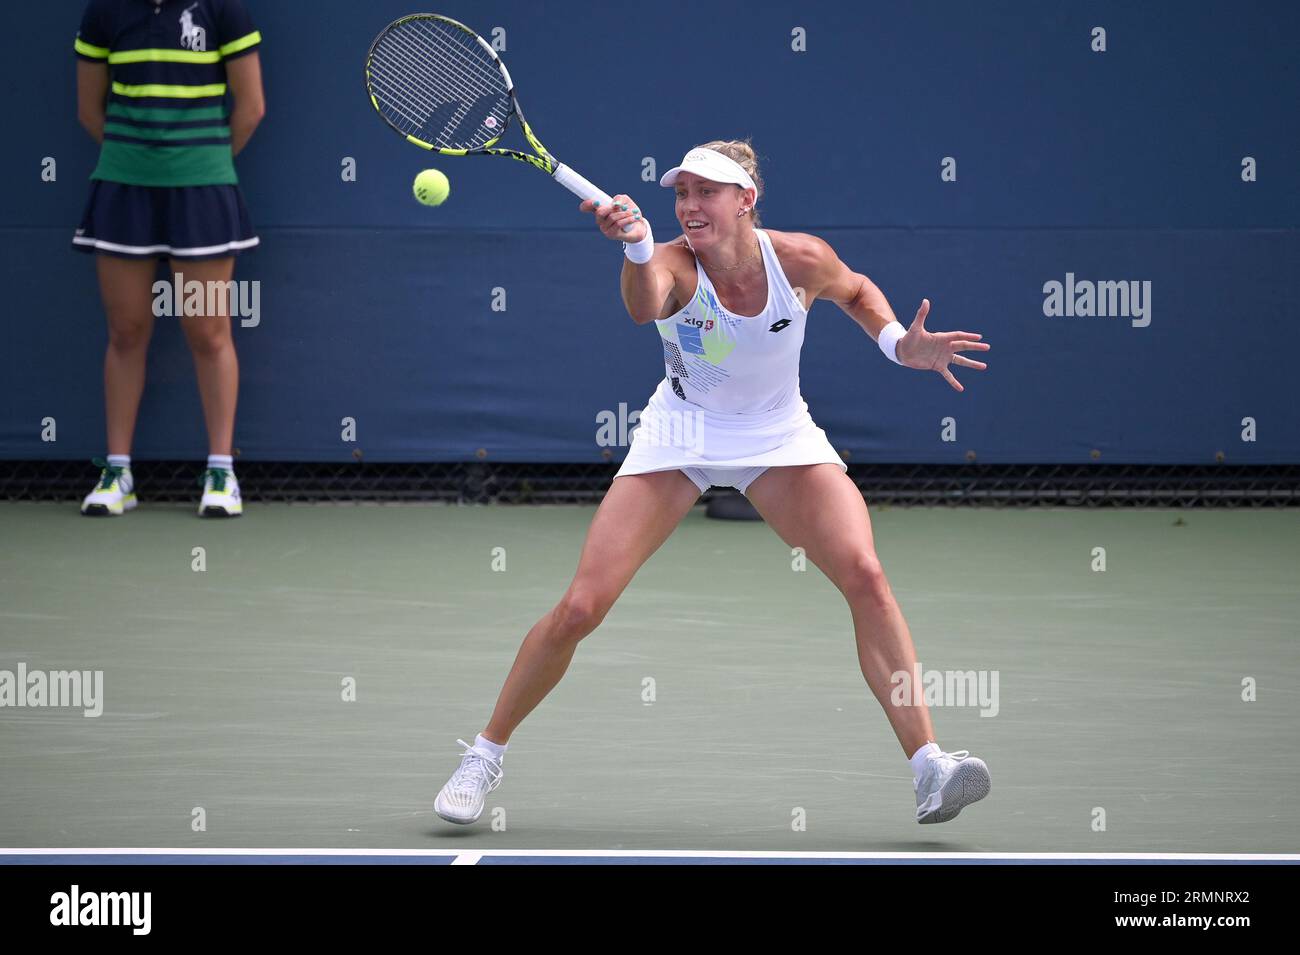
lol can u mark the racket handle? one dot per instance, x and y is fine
(577, 185)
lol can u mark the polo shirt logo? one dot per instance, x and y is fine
(192, 37)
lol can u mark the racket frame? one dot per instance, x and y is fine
(542, 159)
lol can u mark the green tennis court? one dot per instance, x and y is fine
(719, 706)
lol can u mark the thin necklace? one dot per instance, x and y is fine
(731, 268)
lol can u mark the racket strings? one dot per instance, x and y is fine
(417, 73)
(402, 94)
(435, 74)
(417, 101)
(387, 87)
(463, 83)
(483, 76)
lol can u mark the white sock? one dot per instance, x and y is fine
(223, 461)
(496, 750)
(122, 461)
(919, 758)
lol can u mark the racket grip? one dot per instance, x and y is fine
(577, 185)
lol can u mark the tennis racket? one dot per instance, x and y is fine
(442, 87)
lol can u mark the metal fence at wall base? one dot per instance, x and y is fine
(482, 482)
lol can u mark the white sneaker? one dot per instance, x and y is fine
(113, 496)
(461, 800)
(949, 783)
(220, 494)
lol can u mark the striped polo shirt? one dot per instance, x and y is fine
(167, 121)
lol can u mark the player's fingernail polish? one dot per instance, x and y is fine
(637, 216)
(595, 204)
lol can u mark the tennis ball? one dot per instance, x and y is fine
(432, 187)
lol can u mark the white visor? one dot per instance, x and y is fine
(710, 164)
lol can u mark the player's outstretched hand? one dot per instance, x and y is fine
(620, 220)
(935, 351)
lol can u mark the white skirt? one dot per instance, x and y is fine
(673, 433)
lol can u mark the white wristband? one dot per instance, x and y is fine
(641, 252)
(888, 340)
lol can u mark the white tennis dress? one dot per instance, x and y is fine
(729, 405)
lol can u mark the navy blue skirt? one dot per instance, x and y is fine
(147, 222)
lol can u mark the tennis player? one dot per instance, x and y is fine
(152, 78)
(730, 301)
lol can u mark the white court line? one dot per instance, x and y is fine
(467, 858)
(673, 853)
